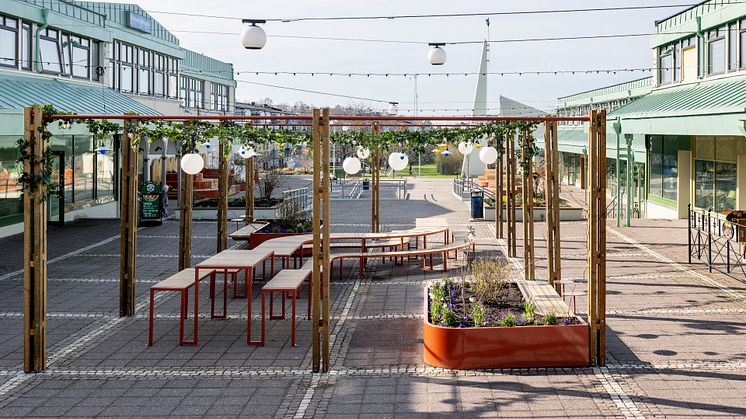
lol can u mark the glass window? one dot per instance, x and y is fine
(95, 62)
(26, 47)
(81, 62)
(725, 186)
(143, 81)
(67, 54)
(11, 205)
(105, 170)
(83, 170)
(704, 183)
(716, 53)
(666, 66)
(50, 52)
(126, 78)
(664, 169)
(732, 48)
(8, 41)
(742, 44)
(676, 63)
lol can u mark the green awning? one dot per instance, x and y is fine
(19, 91)
(573, 138)
(708, 107)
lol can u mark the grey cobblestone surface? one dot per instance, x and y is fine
(675, 337)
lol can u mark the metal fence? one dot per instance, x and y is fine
(300, 196)
(716, 240)
(467, 185)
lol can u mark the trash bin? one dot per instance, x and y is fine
(366, 184)
(477, 204)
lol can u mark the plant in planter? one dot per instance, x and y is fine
(482, 320)
(291, 220)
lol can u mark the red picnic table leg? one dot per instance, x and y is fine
(249, 294)
(150, 325)
(292, 321)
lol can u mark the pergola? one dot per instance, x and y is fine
(320, 122)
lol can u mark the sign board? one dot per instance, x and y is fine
(139, 22)
(150, 207)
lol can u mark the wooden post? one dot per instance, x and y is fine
(35, 249)
(528, 207)
(185, 220)
(325, 250)
(375, 185)
(551, 159)
(597, 236)
(222, 199)
(512, 242)
(317, 251)
(249, 218)
(499, 189)
(128, 211)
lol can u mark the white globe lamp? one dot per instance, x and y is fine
(351, 165)
(398, 161)
(488, 155)
(252, 36)
(436, 54)
(465, 148)
(192, 163)
(363, 153)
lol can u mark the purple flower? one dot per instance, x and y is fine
(520, 322)
(460, 325)
(567, 322)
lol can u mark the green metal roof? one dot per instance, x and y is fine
(573, 138)
(18, 91)
(708, 97)
(630, 89)
(206, 68)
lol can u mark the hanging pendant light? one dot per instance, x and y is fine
(436, 54)
(398, 161)
(363, 152)
(351, 165)
(253, 37)
(393, 108)
(488, 155)
(465, 148)
(192, 163)
(445, 153)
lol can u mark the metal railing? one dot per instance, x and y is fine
(301, 197)
(353, 188)
(467, 185)
(722, 243)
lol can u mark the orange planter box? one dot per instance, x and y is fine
(506, 347)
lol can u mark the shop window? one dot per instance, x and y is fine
(11, 204)
(664, 168)
(715, 177)
(67, 54)
(742, 43)
(105, 165)
(83, 169)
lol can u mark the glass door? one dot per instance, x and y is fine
(56, 196)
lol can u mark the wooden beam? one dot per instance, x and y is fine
(317, 250)
(499, 189)
(222, 199)
(185, 221)
(325, 231)
(128, 227)
(35, 249)
(511, 173)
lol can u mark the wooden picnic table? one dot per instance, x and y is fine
(244, 260)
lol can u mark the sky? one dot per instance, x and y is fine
(455, 93)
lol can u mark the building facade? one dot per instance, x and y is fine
(100, 58)
(683, 128)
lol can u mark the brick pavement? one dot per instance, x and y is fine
(675, 335)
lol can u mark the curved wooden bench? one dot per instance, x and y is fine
(425, 253)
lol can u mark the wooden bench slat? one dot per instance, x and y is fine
(288, 279)
(181, 280)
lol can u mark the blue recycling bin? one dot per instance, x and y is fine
(477, 204)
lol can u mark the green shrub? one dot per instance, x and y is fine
(477, 313)
(550, 318)
(489, 279)
(509, 320)
(449, 317)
